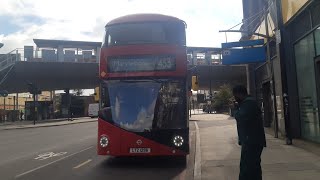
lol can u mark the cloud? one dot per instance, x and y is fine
(85, 20)
(143, 121)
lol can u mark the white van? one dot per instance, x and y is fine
(93, 110)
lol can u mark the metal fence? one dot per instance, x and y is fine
(45, 55)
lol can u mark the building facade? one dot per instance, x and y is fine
(301, 35)
(289, 86)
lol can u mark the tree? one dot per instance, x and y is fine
(57, 105)
(78, 92)
(222, 99)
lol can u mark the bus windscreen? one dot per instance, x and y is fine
(146, 105)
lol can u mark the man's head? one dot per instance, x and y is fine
(239, 93)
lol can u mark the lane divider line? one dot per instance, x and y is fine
(82, 164)
(197, 160)
(45, 165)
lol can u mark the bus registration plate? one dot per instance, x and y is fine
(140, 150)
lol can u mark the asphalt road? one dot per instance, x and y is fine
(69, 152)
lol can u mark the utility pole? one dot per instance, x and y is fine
(281, 53)
(34, 109)
(4, 103)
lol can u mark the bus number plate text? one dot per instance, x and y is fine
(140, 150)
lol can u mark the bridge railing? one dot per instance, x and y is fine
(9, 59)
(19, 54)
(212, 59)
(51, 55)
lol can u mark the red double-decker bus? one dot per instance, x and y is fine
(143, 72)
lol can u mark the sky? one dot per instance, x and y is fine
(81, 20)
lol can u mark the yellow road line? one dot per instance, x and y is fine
(82, 164)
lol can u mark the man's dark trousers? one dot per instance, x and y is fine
(250, 163)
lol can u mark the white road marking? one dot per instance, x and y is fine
(32, 170)
(49, 155)
(82, 164)
(197, 161)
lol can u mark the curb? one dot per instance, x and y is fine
(41, 122)
(197, 160)
(51, 125)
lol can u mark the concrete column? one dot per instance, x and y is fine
(60, 53)
(51, 95)
(194, 57)
(97, 52)
(36, 53)
(208, 58)
(248, 78)
(77, 55)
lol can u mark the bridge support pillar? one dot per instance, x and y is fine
(51, 95)
(60, 54)
(97, 53)
(194, 57)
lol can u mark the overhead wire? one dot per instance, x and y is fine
(6, 75)
(255, 16)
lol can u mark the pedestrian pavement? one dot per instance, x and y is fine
(43, 123)
(220, 153)
(24, 122)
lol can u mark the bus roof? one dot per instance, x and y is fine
(142, 18)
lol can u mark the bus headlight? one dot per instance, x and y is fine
(104, 141)
(178, 141)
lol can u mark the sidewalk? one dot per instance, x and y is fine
(44, 123)
(220, 153)
(24, 122)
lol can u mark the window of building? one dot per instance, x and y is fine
(316, 15)
(301, 25)
(304, 57)
(317, 40)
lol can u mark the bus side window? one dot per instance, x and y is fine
(105, 97)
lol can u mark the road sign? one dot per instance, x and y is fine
(243, 52)
(244, 56)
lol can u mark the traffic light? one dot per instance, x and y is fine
(96, 94)
(195, 84)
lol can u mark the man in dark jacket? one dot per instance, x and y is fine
(251, 134)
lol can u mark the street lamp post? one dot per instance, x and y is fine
(9, 103)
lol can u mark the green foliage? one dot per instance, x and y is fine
(223, 98)
(78, 92)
